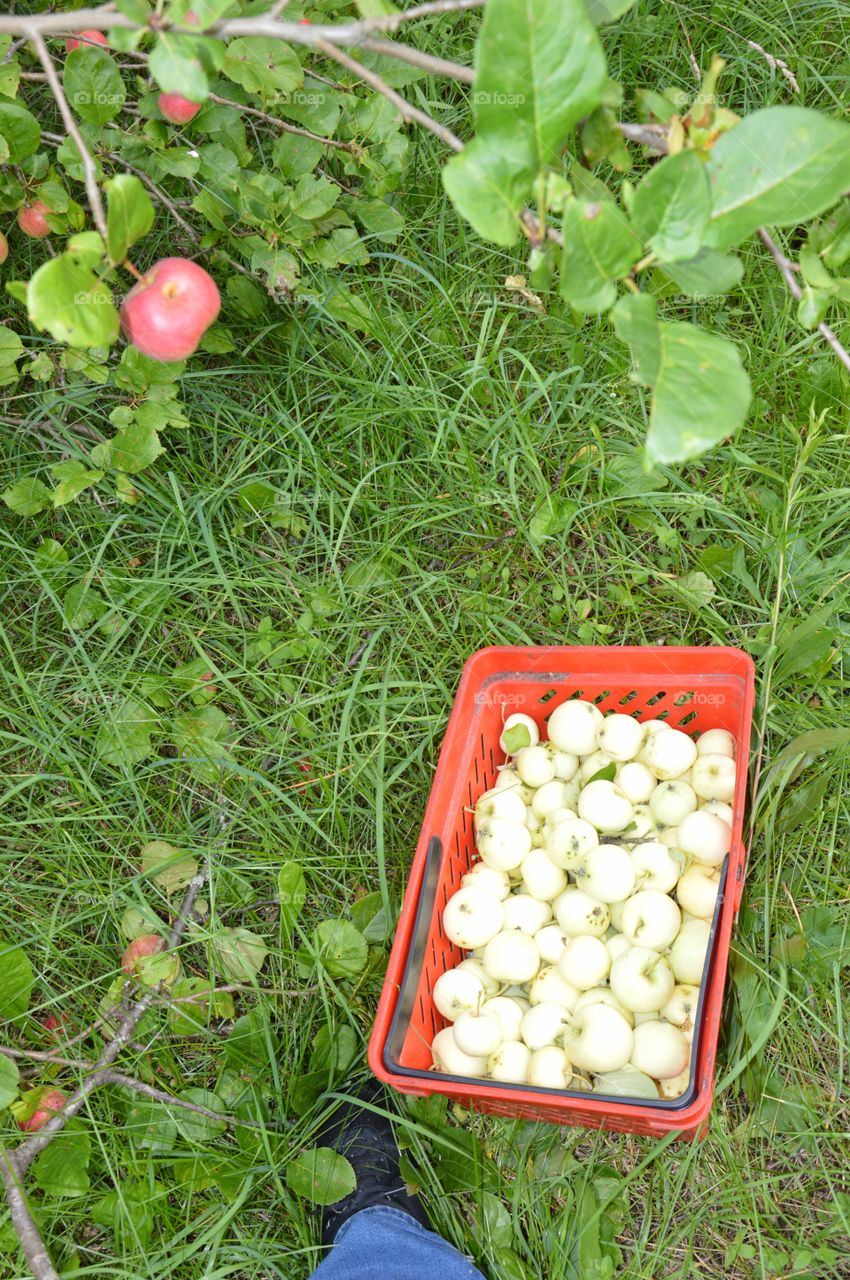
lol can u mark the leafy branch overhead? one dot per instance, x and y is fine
(278, 159)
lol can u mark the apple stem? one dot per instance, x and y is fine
(128, 266)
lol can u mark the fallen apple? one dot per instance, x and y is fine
(504, 843)
(32, 219)
(177, 109)
(84, 39)
(472, 917)
(4, 248)
(166, 314)
(50, 1102)
(542, 878)
(607, 873)
(605, 806)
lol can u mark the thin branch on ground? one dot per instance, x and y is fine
(786, 269)
(653, 136)
(285, 127)
(89, 167)
(405, 109)
(425, 61)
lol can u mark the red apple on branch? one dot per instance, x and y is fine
(4, 248)
(167, 313)
(177, 109)
(84, 38)
(51, 1101)
(32, 220)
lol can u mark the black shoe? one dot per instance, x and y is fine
(367, 1142)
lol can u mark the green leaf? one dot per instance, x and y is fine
(124, 733)
(66, 298)
(130, 214)
(802, 751)
(151, 1125)
(199, 737)
(82, 606)
(779, 166)
(176, 68)
(93, 84)
(62, 1168)
(238, 954)
(292, 894)
(812, 307)
(16, 981)
(803, 803)
(262, 65)
(671, 207)
(313, 197)
(696, 590)
(73, 479)
(602, 11)
(10, 76)
(131, 450)
(128, 1213)
(50, 558)
(488, 183)
(707, 275)
(20, 130)
(341, 949)
(9, 1077)
(170, 867)
(194, 1127)
(701, 391)
(27, 497)
(192, 1015)
(538, 71)
(379, 219)
(321, 1176)
(553, 516)
(599, 248)
(516, 738)
(606, 774)
(11, 347)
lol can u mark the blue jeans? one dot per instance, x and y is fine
(387, 1244)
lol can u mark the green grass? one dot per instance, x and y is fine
(413, 461)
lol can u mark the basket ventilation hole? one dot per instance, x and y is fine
(656, 697)
(683, 698)
(629, 697)
(600, 697)
(687, 719)
(550, 693)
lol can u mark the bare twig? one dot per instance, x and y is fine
(786, 269)
(27, 1232)
(285, 127)
(653, 136)
(425, 61)
(89, 167)
(405, 109)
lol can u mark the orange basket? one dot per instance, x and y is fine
(693, 689)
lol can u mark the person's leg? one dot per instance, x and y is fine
(388, 1244)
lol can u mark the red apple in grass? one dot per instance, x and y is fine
(167, 313)
(51, 1101)
(4, 248)
(86, 38)
(177, 109)
(150, 944)
(32, 220)
(146, 958)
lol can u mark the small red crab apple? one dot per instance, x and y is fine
(84, 38)
(32, 220)
(177, 109)
(167, 313)
(147, 959)
(51, 1101)
(4, 248)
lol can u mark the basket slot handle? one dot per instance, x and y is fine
(416, 953)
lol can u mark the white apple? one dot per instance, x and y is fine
(475, 967)
(705, 837)
(669, 754)
(569, 840)
(548, 798)
(675, 1087)
(508, 779)
(654, 726)
(621, 736)
(578, 913)
(472, 917)
(508, 1012)
(451, 1059)
(642, 980)
(566, 764)
(584, 962)
(670, 802)
(660, 1050)
(603, 995)
(522, 721)
(503, 844)
(550, 1068)
(651, 919)
(688, 952)
(535, 765)
(607, 873)
(478, 1034)
(509, 1063)
(605, 806)
(542, 878)
(716, 742)
(512, 957)
(681, 1008)
(669, 837)
(616, 910)
(642, 827)
(713, 777)
(456, 992)
(524, 912)
(599, 1039)
(594, 764)
(720, 810)
(494, 882)
(499, 802)
(655, 867)
(551, 941)
(543, 1024)
(573, 727)
(636, 781)
(697, 890)
(550, 988)
(616, 943)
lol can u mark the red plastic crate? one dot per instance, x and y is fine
(693, 689)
